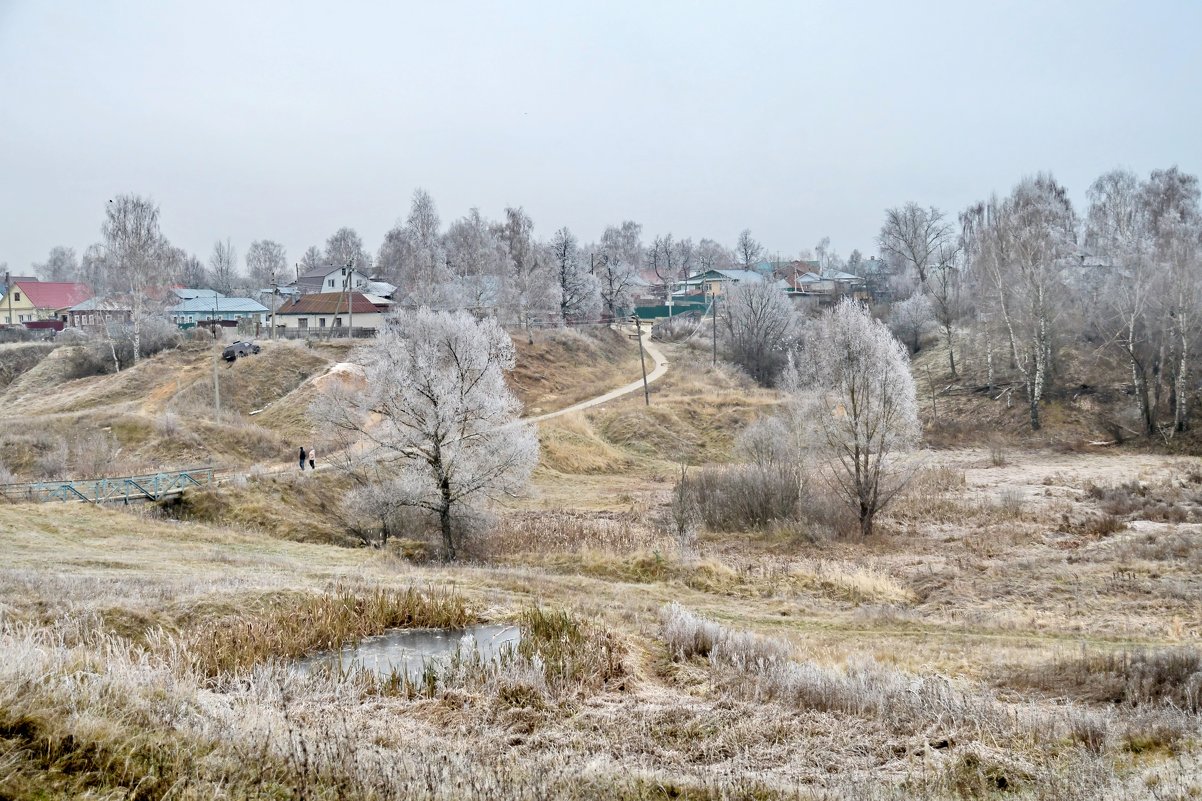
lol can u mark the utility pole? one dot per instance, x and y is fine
(350, 301)
(216, 382)
(275, 294)
(714, 318)
(638, 329)
(8, 293)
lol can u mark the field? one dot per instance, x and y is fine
(1025, 625)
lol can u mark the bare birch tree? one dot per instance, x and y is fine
(916, 240)
(1171, 198)
(266, 263)
(60, 265)
(437, 422)
(852, 385)
(529, 289)
(747, 249)
(134, 253)
(223, 266)
(1029, 242)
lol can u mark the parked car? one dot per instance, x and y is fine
(240, 348)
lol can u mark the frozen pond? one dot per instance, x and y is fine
(408, 651)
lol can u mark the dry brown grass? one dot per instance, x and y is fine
(287, 627)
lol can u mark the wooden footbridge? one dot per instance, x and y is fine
(124, 489)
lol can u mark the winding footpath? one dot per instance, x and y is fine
(659, 362)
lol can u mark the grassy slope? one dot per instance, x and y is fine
(990, 574)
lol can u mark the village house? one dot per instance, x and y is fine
(712, 282)
(94, 314)
(216, 308)
(30, 301)
(331, 279)
(325, 310)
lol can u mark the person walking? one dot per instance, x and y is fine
(302, 458)
(312, 458)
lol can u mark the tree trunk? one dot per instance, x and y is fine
(951, 353)
(444, 520)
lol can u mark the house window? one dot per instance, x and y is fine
(330, 282)
(302, 322)
(17, 298)
(338, 322)
(321, 322)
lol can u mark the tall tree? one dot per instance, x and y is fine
(60, 265)
(266, 263)
(223, 266)
(761, 326)
(440, 422)
(916, 240)
(134, 253)
(713, 255)
(345, 247)
(579, 290)
(661, 258)
(615, 262)
(1171, 198)
(529, 289)
(748, 250)
(855, 394)
(476, 257)
(312, 259)
(1026, 246)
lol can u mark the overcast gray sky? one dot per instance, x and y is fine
(287, 120)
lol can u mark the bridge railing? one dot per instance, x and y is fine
(120, 489)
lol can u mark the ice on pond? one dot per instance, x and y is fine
(408, 651)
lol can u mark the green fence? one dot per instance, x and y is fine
(656, 312)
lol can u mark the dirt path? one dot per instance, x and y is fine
(658, 361)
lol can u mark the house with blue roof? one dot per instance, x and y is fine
(216, 308)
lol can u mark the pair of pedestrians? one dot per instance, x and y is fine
(312, 456)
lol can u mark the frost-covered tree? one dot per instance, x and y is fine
(1118, 233)
(530, 290)
(192, 272)
(435, 421)
(223, 266)
(713, 255)
(747, 249)
(909, 319)
(1024, 246)
(760, 327)
(615, 262)
(579, 290)
(266, 263)
(852, 385)
(1171, 201)
(915, 240)
(345, 247)
(60, 265)
(414, 257)
(661, 258)
(135, 254)
(312, 259)
(476, 259)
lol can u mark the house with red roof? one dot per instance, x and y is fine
(321, 311)
(31, 301)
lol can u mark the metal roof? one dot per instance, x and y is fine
(217, 306)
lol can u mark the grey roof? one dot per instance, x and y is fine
(217, 305)
(102, 303)
(734, 275)
(188, 293)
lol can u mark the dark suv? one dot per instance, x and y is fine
(237, 349)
